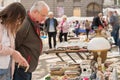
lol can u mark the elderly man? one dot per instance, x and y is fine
(28, 41)
(50, 26)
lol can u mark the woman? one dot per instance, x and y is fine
(77, 28)
(63, 27)
(87, 27)
(11, 18)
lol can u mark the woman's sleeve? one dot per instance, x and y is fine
(59, 25)
(66, 26)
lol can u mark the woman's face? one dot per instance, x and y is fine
(64, 19)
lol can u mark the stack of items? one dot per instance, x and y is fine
(73, 71)
(58, 69)
(66, 71)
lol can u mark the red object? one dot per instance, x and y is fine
(100, 27)
(38, 31)
(28, 59)
(85, 78)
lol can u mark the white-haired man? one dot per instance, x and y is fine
(28, 41)
(50, 27)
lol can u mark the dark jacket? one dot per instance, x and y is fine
(28, 43)
(96, 22)
(47, 24)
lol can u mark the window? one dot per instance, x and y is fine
(77, 0)
(117, 2)
(60, 1)
(76, 11)
(4, 3)
(60, 11)
(93, 9)
(1, 3)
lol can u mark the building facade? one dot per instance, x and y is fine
(71, 7)
(111, 4)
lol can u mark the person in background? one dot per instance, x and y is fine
(28, 40)
(50, 27)
(11, 17)
(119, 41)
(63, 28)
(115, 26)
(115, 13)
(97, 22)
(87, 27)
(77, 28)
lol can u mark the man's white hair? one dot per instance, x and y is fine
(50, 13)
(38, 5)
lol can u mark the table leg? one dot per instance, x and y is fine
(71, 57)
(79, 55)
(57, 54)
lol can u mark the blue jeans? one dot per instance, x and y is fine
(95, 27)
(115, 34)
(77, 31)
(20, 74)
(5, 74)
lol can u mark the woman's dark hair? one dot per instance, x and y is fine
(11, 14)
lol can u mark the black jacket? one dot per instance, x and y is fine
(96, 22)
(47, 24)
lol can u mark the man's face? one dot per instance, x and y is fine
(51, 16)
(41, 16)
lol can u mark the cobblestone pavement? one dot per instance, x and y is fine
(46, 59)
